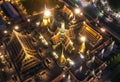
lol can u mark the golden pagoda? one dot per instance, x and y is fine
(62, 59)
(83, 46)
(46, 17)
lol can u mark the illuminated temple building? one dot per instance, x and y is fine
(63, 37)
(24, 56)
(93, 37)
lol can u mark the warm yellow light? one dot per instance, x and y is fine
(2, 46)
(16, 27)
(71, 42)
(77, 10)
(9, 22)
(70, 61)
(27, 56)
(5, 31)
(1, 56)
(8, 0)
(82, 47)
(43, 40)
(28, 20)
(55, 55)
(82, 56)
(83, 38)
(64, 75)
(46, 21)
(62, 59)
(81, 14)
(47, 13)
(84, 22)
(103, 29)
(37, 23)
(45, 43)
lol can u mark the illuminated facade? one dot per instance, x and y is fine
(23, 55)
(62, 59)
(92, 36)
(63, 37)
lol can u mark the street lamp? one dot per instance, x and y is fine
(84, 22)
(71, 62)
(82, 56)
(9, 22)
(37, 23)
(16, 27)
(64, 75)
(77, 10)
(28, 20)
(55, 55)
(5, 31)
(83, 38)
(81, 13)
(103, 29)
(47, 13)
(46, 43)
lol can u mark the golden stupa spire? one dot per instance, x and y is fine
(62, 58)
